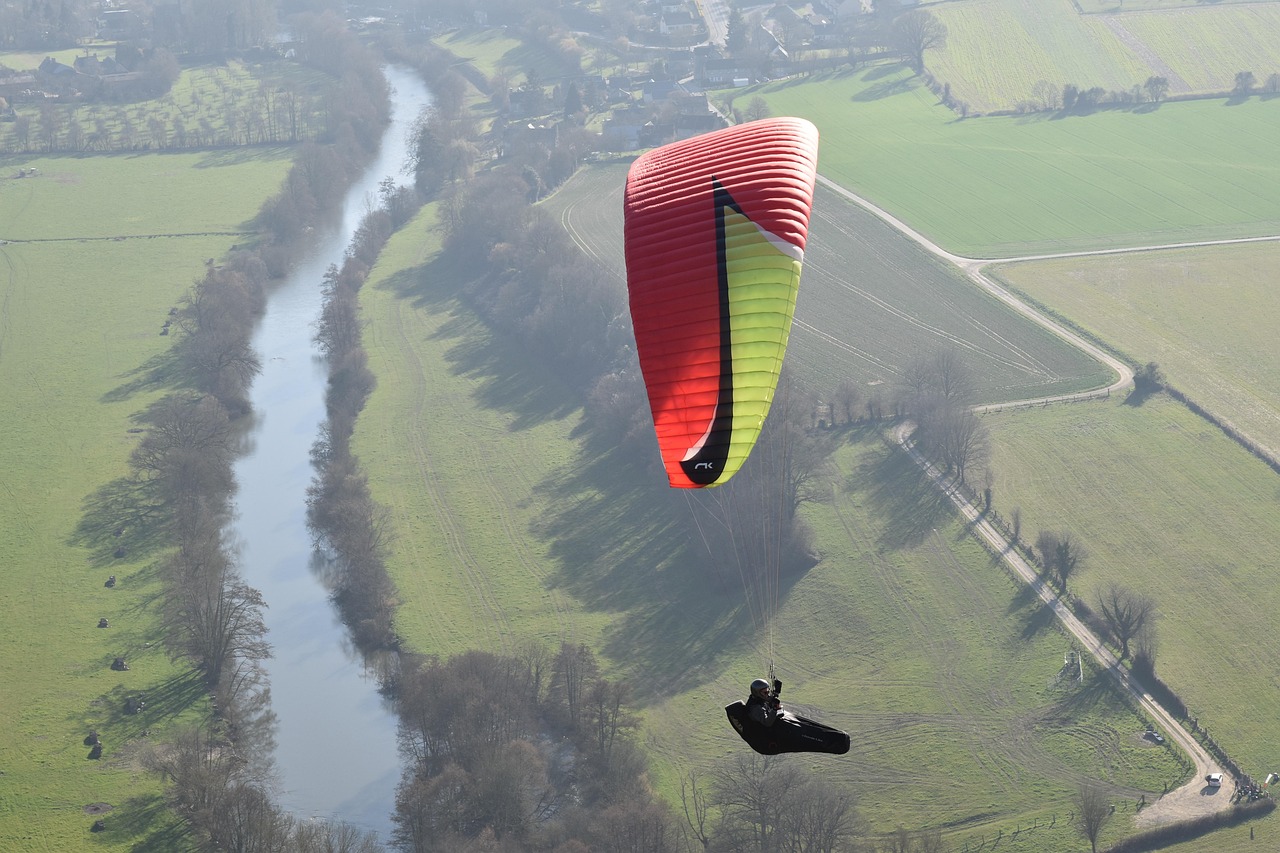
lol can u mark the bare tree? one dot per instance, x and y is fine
(757, 108)
(1060, 553)
(960, 439)
(1126, 612)
(1094, 810)
(772, 804)
(845, 400)
(1047, 95)
(915, 32)
(697, 808)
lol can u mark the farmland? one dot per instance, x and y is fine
(1001, 187)
(870, 302)
(1166, 504)
(587, 552)
(84, 294)
(997, 51)
(1206, 315)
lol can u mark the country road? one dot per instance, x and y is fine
(1195, 798)
(1192, 799)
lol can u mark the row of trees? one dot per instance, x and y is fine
(267, 116)
(219, 769)
(938, 390)
(211, 26)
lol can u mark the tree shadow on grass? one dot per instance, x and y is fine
(621, 540)
(507, 378)
(617, 535)
(904, 501)
(147, 824)
(122, 522)
(162, 372)
(118, 721)
(885, 89)
(1096, 689)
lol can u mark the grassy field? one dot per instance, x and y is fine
(1165, 504)
(517, 531)
(497, 54)
(943, 670)
(115, 196)
(997, 51)
(870, 301)
(1206, 315)
(81, 308)
(1002, 187)
(1096, 6)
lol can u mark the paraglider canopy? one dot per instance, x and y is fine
(715, 230)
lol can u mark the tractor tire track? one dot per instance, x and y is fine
(479, 591)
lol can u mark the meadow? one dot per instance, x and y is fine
(1206, 315)
(497, 55)
(998, 53)
(84, 295)
(510, 528)
(1165, 504)
(1004, 186)
(870, 301)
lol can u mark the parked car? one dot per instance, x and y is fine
(1214, 780)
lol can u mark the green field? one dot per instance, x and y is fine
(869, 303)
(497, 55)
(81, 309)
(1165, 504)
(116, 196)
(1098, 6)
(1004, 187)
(997, 51)
(1207, 316)
(906, 632)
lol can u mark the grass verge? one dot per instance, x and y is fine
(80, 355)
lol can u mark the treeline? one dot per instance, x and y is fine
(267, 115)
(525, 751)
(181, 489)
(341, 511)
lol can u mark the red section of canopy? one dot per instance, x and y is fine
(768, 168)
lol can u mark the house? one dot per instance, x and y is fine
(686, 126)
(527, 102)
(525, 136)
(660, 90)
(722, 73)
(92, 66)
(624, 128)
(680, 24)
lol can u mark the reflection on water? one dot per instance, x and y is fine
(336, 739)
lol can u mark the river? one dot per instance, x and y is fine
(335, 751)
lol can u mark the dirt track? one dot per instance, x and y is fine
(1195, 797)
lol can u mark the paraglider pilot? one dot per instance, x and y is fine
(763, 705)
